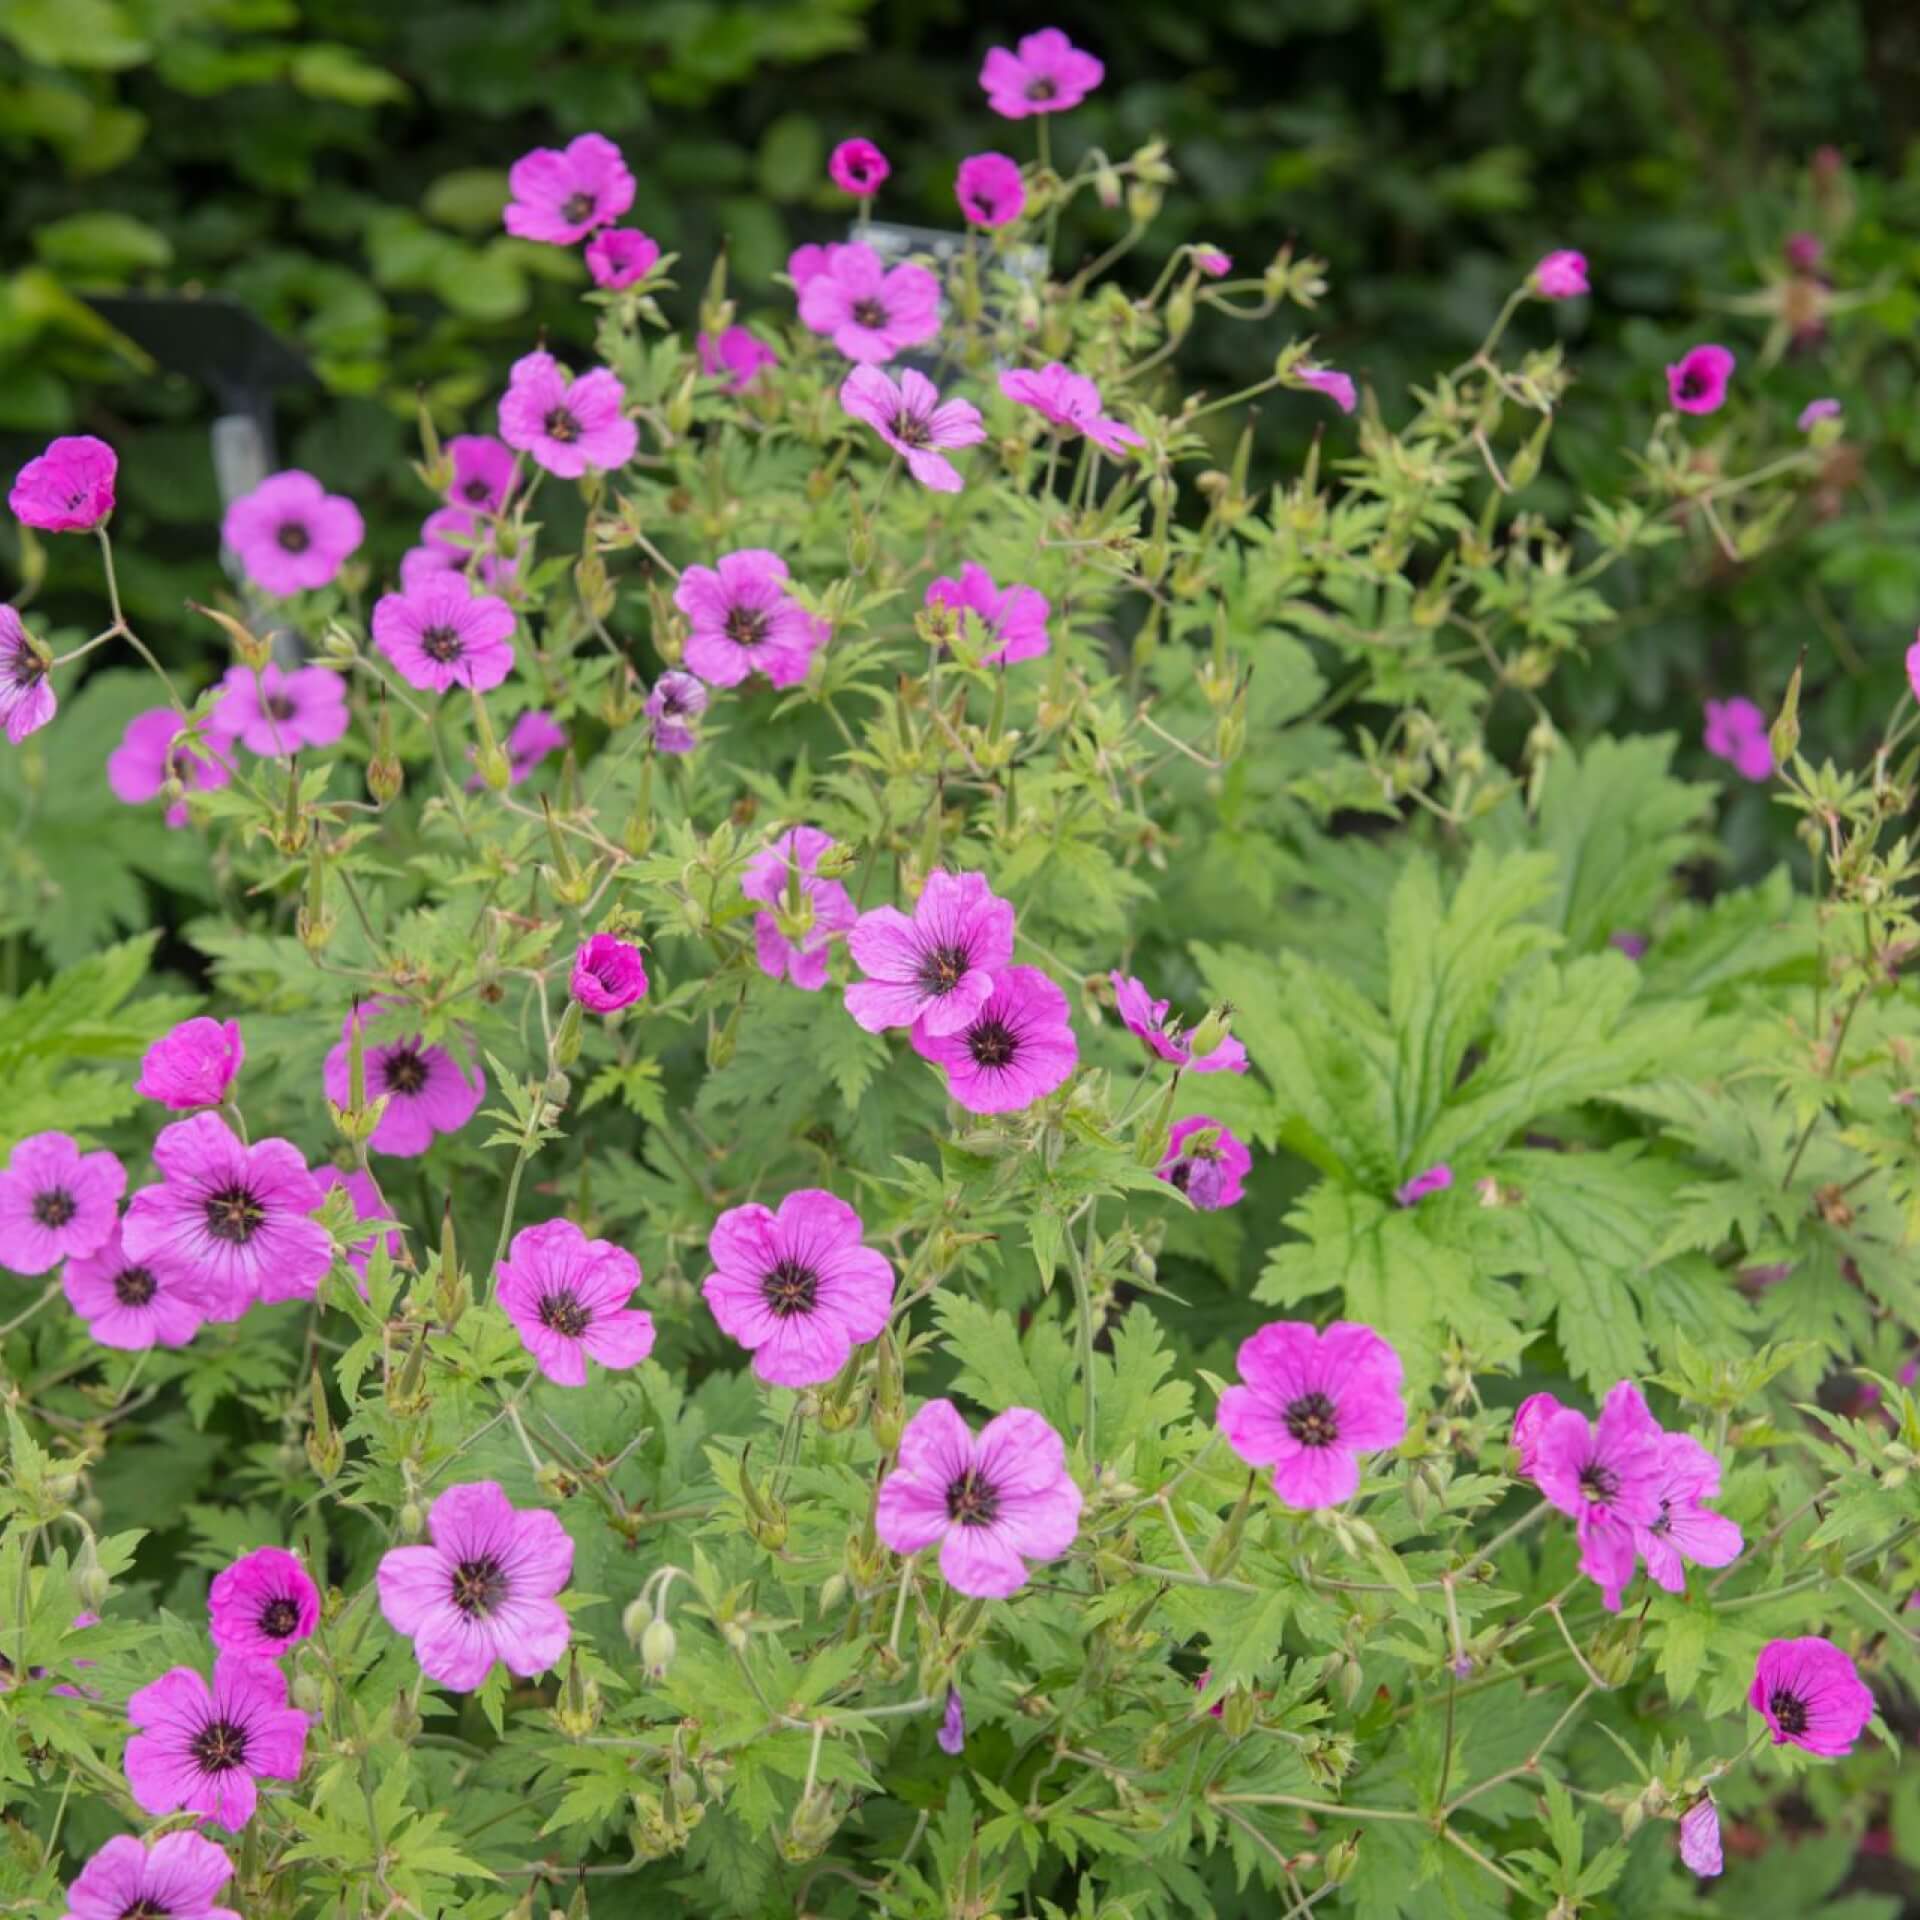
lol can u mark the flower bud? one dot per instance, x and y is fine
(635, 1619)
(413, 1521)
(657, 1646)
(308, 1692)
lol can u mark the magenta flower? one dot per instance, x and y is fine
(1562, 275)
(457, 542)
(291, 534)
(1684, 1529)
(55, 1201)
(1015, 618)
(797, 1288)
(675, 699)
(1146, 1018)
(1435, 1179)
(1046, 74)
(738, 354)
(277, 712)
(936, 970)
(1633, 945)
(868, 310)
(427, 1090)
(1070, 403)
(1312, 1404)
(67, 489)
(440, 636)
(202, 1749)
(744, 620)
(858, 167)
(1206, 1161)
(148, 757)
(1016, 1049)
(608, 974)
(993, 1503)
(1815, 411)
(179, 1875)
(621, 256)
(1608, 1476)
(483, 1591)
(1529, 1424)
(1804, 251)
(782, 876)
(27, 699)
(568, 1297)
(530, 739)
(367, 1205)
(132, 1305)
(909, 416)
(1810, 1695)
(1736, 732)
(1700, 1838)
(262, 1604)
(192, 1065)
(234, 1216)
(803, 263)
(1697, 381)
(482, 472)
(952, 1737)
(568, 425)
(1212, 262)
(990, 190)
(560, 197)
(1337, 386)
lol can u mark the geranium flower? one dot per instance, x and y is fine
(441, 635)
(909, 416)
(457, 543)
(744, 620)
(56, 1201)
(1700, 1838)
(868, 310)
(202, 1748)
(1697, 381)
(1047, 73)
(1337, 386)
(179, 1875)
(529, 740)
(131, 1305)
(1803, 251)
(990, 190)
(1685, 1530)
(1312, 1403)
(1211, 1172)
(858, 167)
(1146, 1018)
(367, 1205)
(27, 699)
(567, 424)
(278, 711)
(292, 535)
(428, 1091)
(804, 262)
(262, 1604)
(67, 489)
(937, 969)
(993, 1503)
(1016, 617)
(952, 1737)
(483, 1591)
(738, 354)
(192, 1065)
(482, 472)
(1736, 732)
(561, 196)
(621, 257)
(772, 877)
(568, 1297)
(1815, 411)
(1562, 275)
(1435, 1179)
(1811, 1695)
(608, 973)
(153, 751)
(1016, 1049)
(1608, 1477)
(1212, 262)
(1530, 1421)
(674, 699)
(1070, 403)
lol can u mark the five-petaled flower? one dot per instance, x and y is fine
(1607, 1475)
(801, 909)
(261, 1604)
(56, 1201)
(204, 1749)
(482, 472)
(568, 424)
(67, 489)
(621, 257)
(154, 751)
(292, 535)
(561, 195)
(937, 968)
(277, 711)
(1015, 1049)
(1014, 618)
(870, 311)
(1811, 1695)
(427, 1090)
(567, 1295)
(130, 1304)
(909, 415)
(744, 620)
(1046, 73)
(1697, 381)
(1070, 403)
(439, 635)
(179, 1875)
(1206, 1161)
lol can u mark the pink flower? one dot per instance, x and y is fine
(1633, 945)
(675, 699)
(1815, 411)
(993, 1503)
(427, 1090)
(858, 167)
(909, 417)
(568, 425)
(1804, 251)
(291, 534)
(1071, 403)
(1810, 1695)
(483, 1591)
(1700, 1838)
(1016, 1049)
(179, 1875)
(952, 1737)
(482, 472)
(529, 740)
(1312, 1404)
(1210, 1171)
(1212, 262)
(568, 1297)
(440, 636)
(1015, 619)
(279, 711)
(936, 970)
(560, 197)
(1529, 1423)
(1435, 1179)
(621, 256)
(1737, 733)
(27, 700)
(367, 1205)
(1684, 1529)
(744, 620)
(1562, 275)
(1048, 74)
(234, 1216)
(803, 263)
(990, 190)
(1146, 1018)
(55, 1201)
(460, 543)
(147, 758)
(202, 1748)
(192, 1065)
(781, 875)
(797, 1288)
(870, 311)
(132, 1305)
(608, 974)
(1337, 386)
(67, 489)
(1608, 1476)
(262, 1604)
(1697, 381)
(738, 354)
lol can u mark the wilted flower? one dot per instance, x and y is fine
(1697, 381)
(952, 1737)
(1815, 411)
(67, 489)
(1210, 1171)
(262, 1604)
(192, 1065)
(561, 196)
(568, 1297)
(427, 1090)
(1070, 403)
(56, 1201)
(1015, 617)
(1047, 73)
(608, 973)
(1212, 262)
(738, 354)
(202, 1748)
(440, 635)
(937, 968)
(1016, 1049)
(870, 311)
(858, 167)
(1337, 386)
(178, 1874)
(910, 417)
(744, 620)
(275, 711)
(1811, 1695)
(1736, 732)
(27, 699)
(567, 424)
(1562, 275)
(290, 534)
(989, 189)
(152, 751)
(773, 877)
(1700, 1838)
(621, 256)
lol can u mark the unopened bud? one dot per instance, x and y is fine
(657, 1645)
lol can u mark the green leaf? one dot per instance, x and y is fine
(102, 246)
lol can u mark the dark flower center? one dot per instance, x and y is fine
(992, 1043)
(280, 707)
(144, 1909)
(565, 1314)
(671, 703)
(294, 537)
(941, 968)
(26, 668)
(478, 1586)
(1665, 1520)
(912, 431)
(1692, 385)
(869, 314)
(577, 207)
(55, 1207)
(278, 1618)
(1788, 1709)
(182, 765)
(1598, 1483)
(562, 426)
(789, 1288)
(971, 1502)
(441, 644)
(219, 1747)
(745, 626)
(234, 1214)
(1182, 1172)
(479, 492)
(404, 1070)
(1313, 1420)
(134, 1286)
(1041, 90)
